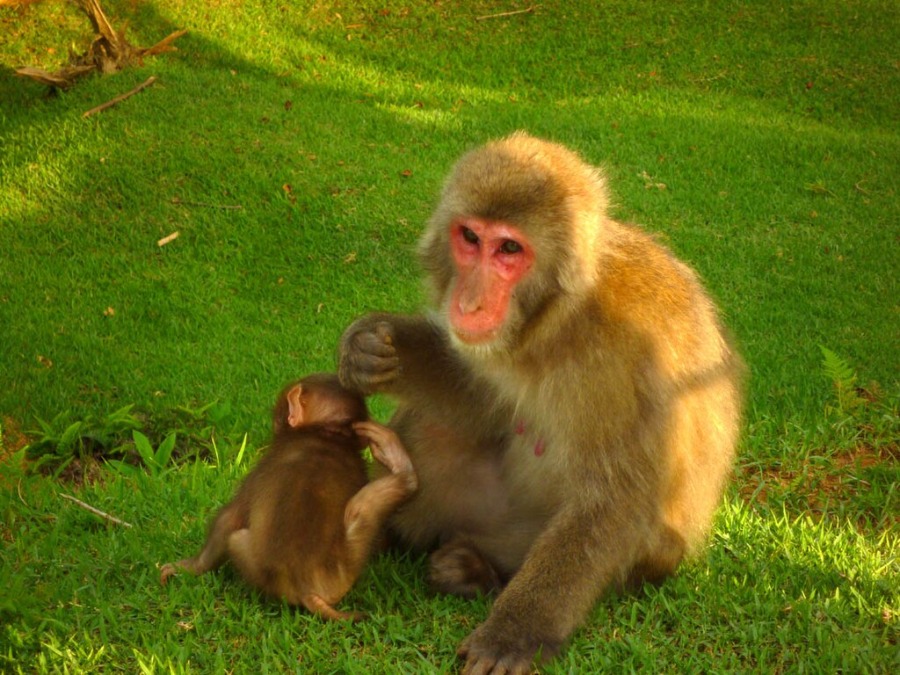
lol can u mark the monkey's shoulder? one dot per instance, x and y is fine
(643, 284)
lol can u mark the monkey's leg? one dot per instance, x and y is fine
(215, 551)
(661, 561)
(245, 558)
(241, 548)
(458, 568)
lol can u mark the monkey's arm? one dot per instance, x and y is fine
(406, 356)
(586, 548)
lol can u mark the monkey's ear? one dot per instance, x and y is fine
(296, 411)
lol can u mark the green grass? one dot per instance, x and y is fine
(776, 593)
(759, 140)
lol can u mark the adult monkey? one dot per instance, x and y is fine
(571, 406)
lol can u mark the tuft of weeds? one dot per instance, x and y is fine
(847, 468)
(67, 448)
(128, 441)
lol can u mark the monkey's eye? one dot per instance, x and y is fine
(510, 247)
(469, 236)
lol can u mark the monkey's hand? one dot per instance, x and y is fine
(502, 648)
(368, 358)
(387, 449)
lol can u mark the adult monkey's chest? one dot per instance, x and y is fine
(531, 465)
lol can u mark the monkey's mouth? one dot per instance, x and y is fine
(474, 338)
(478, 327)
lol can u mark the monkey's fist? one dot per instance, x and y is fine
(368, 358)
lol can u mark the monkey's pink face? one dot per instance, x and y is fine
(491, 257)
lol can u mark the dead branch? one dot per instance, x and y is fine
(62, 78)
(164, 45)
(502, 15)
(118, 99)
(96, 512)
(101, 24)
(109, 51)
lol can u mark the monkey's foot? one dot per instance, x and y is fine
(166, 571)
(458, 568)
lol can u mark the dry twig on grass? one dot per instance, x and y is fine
(118, 99)
(96, 512)
(168, 238)
(503, 15)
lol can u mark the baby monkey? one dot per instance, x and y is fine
(304, 521)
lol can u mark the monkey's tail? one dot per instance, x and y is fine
(317, 605)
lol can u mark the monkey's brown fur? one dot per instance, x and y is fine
(302, 524)
(584, 445)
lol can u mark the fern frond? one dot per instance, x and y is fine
(837, 369)
(843, 377)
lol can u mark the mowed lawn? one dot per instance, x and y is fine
(296, 150)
